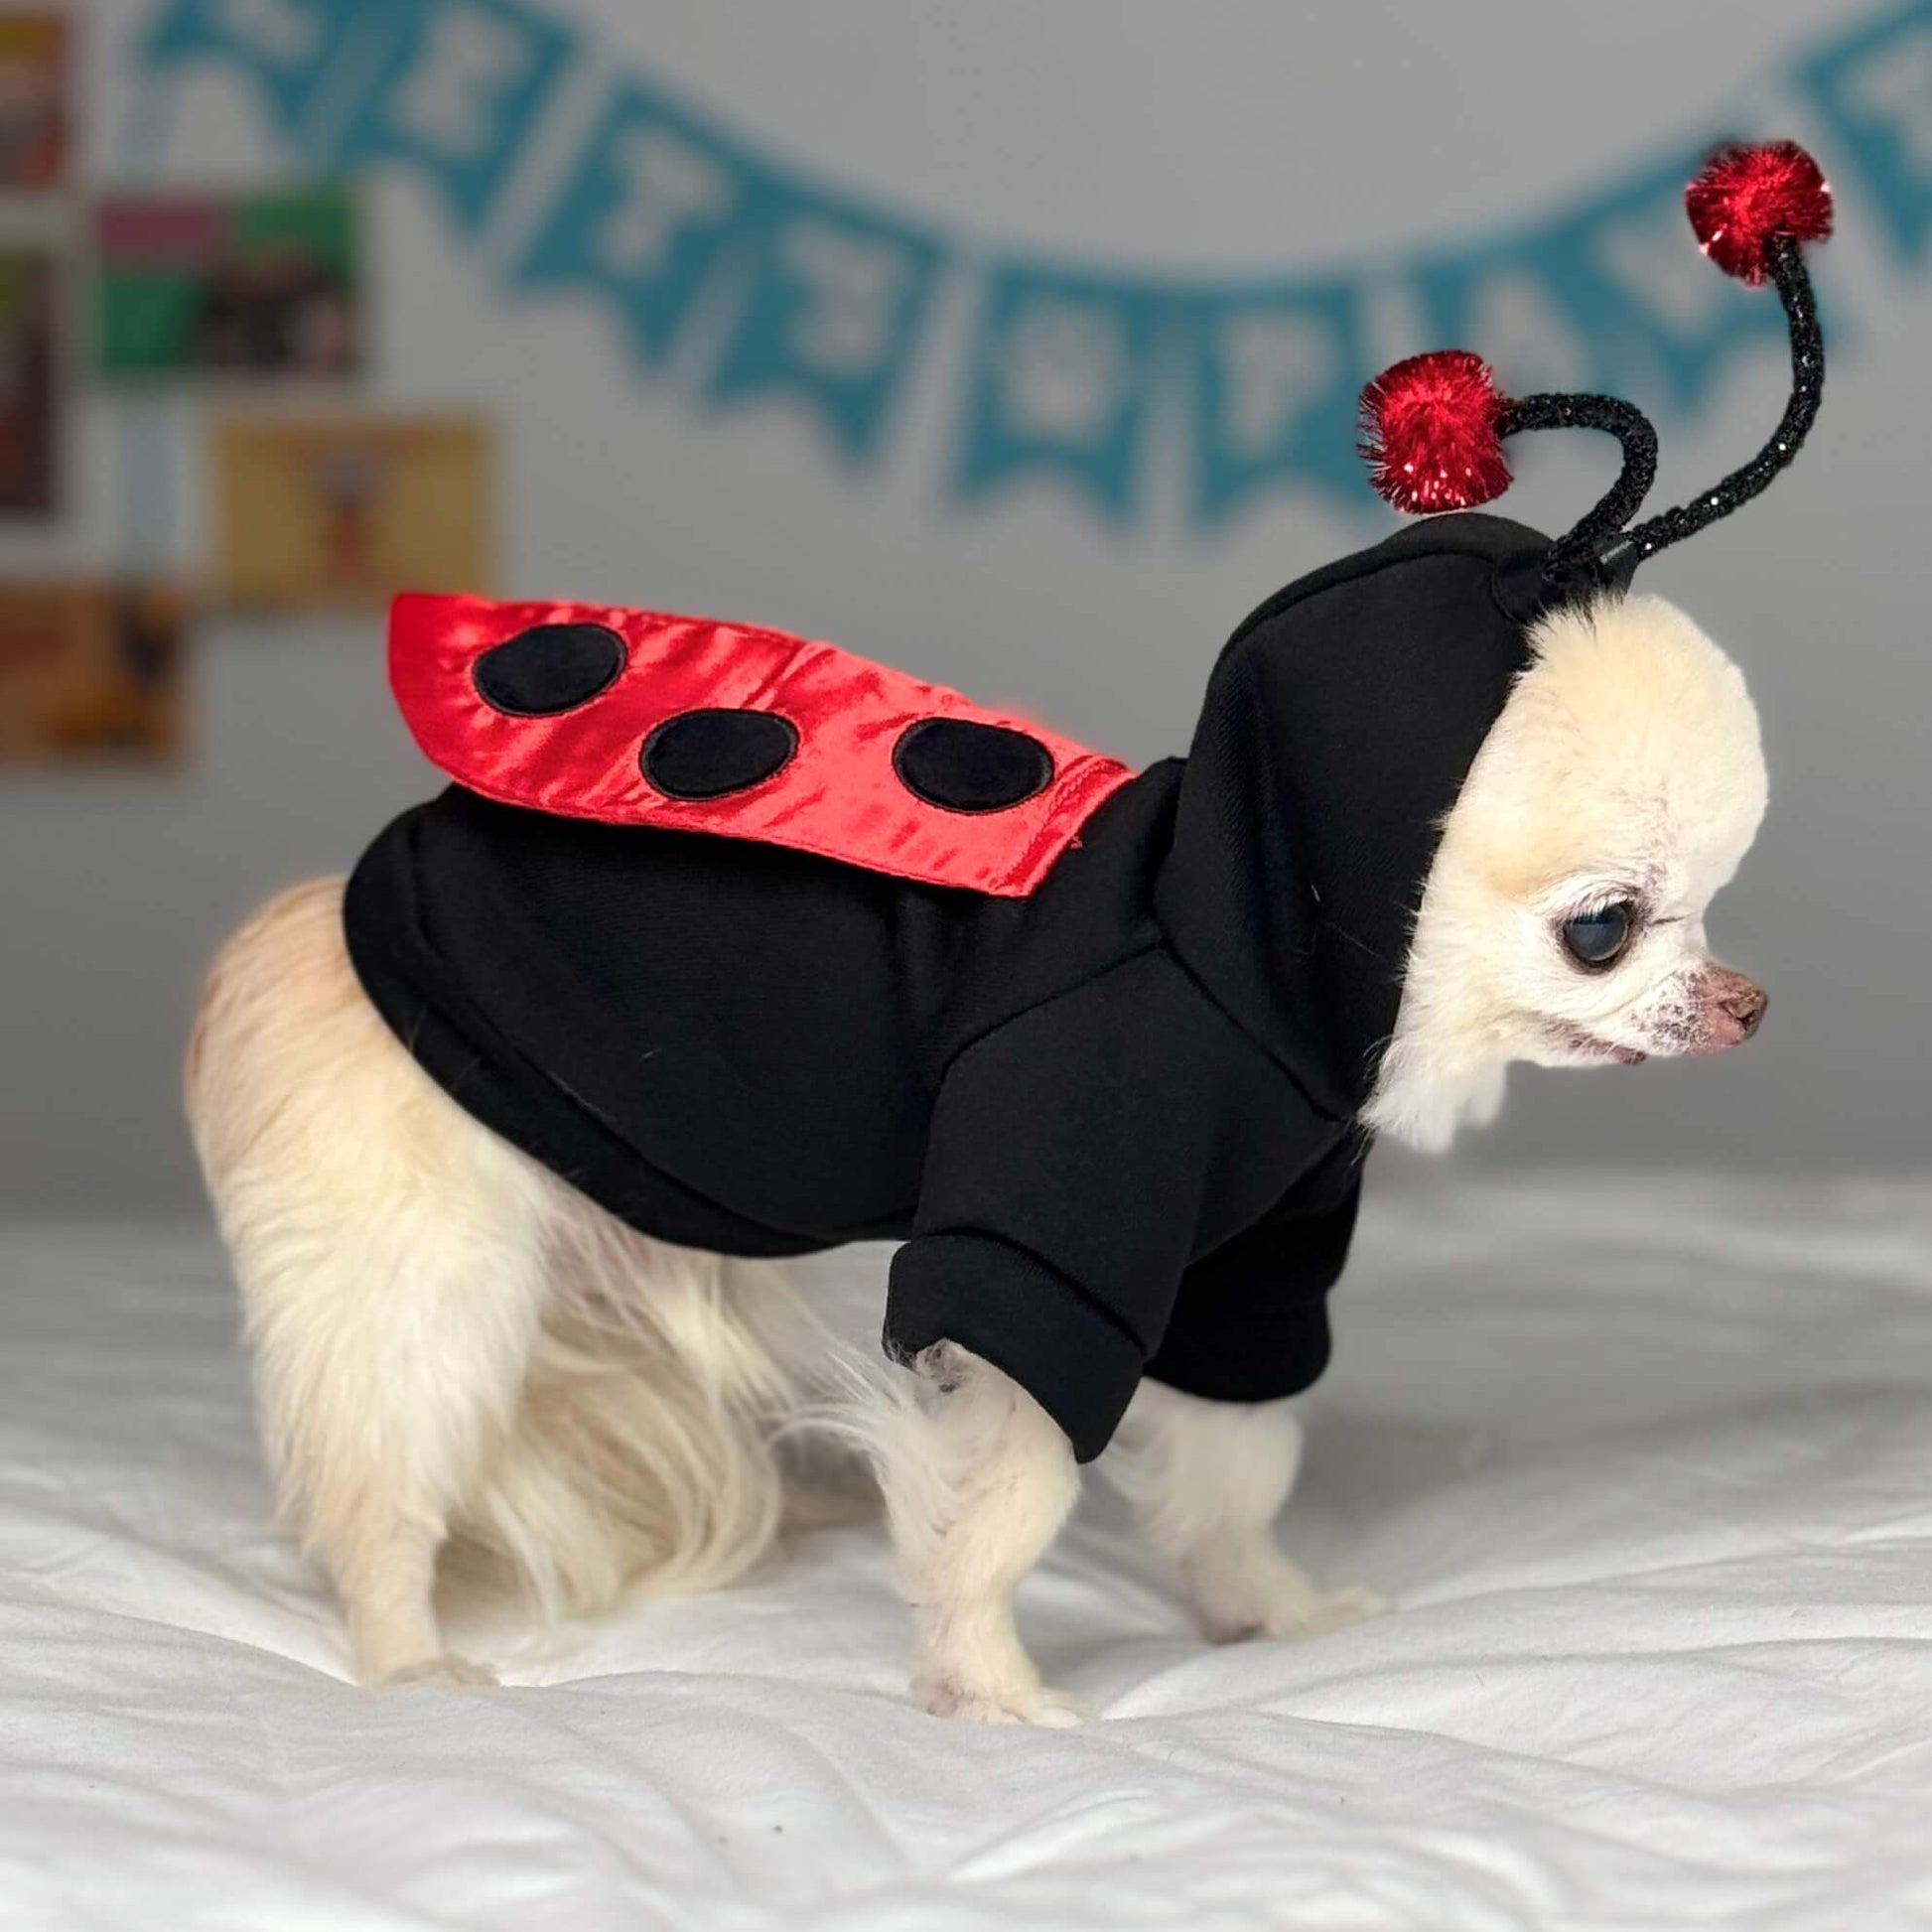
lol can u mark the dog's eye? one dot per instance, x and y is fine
(1599, 938)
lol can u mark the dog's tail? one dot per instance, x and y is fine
(641, 1456)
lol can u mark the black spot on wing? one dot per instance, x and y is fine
(963, 767)
(712, 753)
(550, 668)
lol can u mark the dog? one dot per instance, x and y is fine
(723, 947)
(450, 1341)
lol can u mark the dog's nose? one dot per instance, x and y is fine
(1746, 1010)
(1733, 1007)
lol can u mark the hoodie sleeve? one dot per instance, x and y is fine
(1076, 1154)
(1251, 1321)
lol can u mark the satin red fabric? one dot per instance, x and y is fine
(839, 796)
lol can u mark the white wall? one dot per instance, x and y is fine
(1223, 134)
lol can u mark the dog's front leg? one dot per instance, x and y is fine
(1205, 1481)
(978, 1480)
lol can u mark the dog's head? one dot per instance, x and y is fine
(1562, 920)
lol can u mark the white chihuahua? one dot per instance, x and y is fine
(1106, 1048)
(452, 1342)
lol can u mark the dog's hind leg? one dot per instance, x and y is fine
(1205, 1481)
(977, 1480)
(385, 1414)
(390, 1254)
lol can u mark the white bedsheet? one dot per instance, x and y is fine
(1648, 1470)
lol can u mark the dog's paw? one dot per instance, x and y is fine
(1334, 1610)
(448, 1668)
(1265, 1595)
(1020, 1705)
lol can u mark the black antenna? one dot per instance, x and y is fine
(1785, 266)
(1584, 544)
(1433, 427)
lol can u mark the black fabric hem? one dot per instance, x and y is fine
(1265, 1368)
(1078, 1363)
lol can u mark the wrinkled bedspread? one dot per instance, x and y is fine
(1646, 1466)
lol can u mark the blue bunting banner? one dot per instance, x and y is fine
(833, 312)
(656, 206)
(453, 86)
(287, 47)
(456, 88)
(731, 273)
(1604, 297)
(1276, 373)
(1874, 91)
(1063, 372)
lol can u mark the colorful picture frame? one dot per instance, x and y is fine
(92, 673)
(258, 284)
(29, 383)
(335, 510)
(36, 117)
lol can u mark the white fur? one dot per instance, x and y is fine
(452, 1346)
(1205, 1481)
(978, 1480)
(1625, 760)
(448, 1340)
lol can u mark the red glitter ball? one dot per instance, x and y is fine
(1429, 433)
(1749, 195)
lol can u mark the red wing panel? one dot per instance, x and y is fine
(636, 717)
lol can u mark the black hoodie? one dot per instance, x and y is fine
(1114, 1122)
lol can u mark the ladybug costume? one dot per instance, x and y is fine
(766, 948)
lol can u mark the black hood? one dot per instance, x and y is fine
(1339, 723)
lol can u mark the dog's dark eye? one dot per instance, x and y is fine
(1599, 938)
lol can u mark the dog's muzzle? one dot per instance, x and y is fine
(1730, 1010)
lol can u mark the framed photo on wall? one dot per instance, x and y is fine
(344, 511)
(258, 284)
(29, 383)
(92, 673)
(36, 124)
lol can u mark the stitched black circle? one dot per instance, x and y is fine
(550, 668)
(709, 753)
(961, 766)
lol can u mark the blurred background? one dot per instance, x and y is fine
(1016, 346)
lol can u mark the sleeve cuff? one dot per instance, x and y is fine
(1263, 1362)
(1024, 1318)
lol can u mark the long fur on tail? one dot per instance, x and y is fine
(641, 1456)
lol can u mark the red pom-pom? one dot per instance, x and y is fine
(1429, 432)
(1746, 197)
